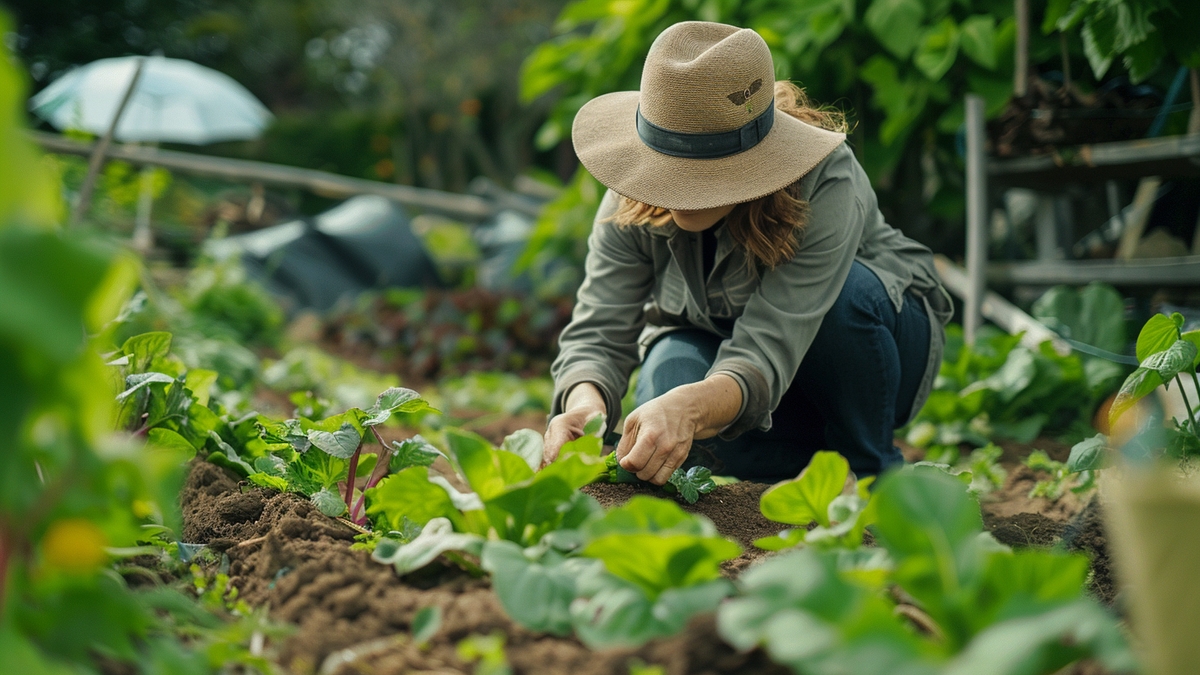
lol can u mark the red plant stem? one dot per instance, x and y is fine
(381, 468)
(350, 475)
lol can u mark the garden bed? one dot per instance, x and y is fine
(351, 614)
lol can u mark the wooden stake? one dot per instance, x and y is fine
(97, 160)
(1021, 69)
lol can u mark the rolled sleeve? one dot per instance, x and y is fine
(781, 319)
(600, 344)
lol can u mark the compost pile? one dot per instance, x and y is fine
(424, 335)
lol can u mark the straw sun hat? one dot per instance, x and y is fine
(703, 131)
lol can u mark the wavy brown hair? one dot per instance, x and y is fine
(768, 227)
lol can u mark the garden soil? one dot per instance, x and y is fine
(351, 614)
(285, 555)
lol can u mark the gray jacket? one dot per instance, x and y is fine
(642, 281)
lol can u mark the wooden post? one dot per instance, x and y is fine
(1021, 60)
(97, 159)
(1193, 126)
(977, 211)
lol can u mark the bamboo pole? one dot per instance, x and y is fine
(320, 182)
(101, 148)
(976, 218)
(1021, 65)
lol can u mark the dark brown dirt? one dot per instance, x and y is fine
(298, 562)
(1024, 530)
(1085, 533)
(732, 508)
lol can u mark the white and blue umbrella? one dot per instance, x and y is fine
(175, 101)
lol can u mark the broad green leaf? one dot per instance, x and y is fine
(595, 426)
(1088, 455)
(488, 471)
(1094, 315)
(525, 512)
(650, 514)
(145, 350)
(395, 400)
(896, 24)
(806, 498)
(341, 443)
(978, 39)
(784, 540)
(1193, 336)
(937, 49)
(656, 562)
(312, 470)
(526, 444)
(615, 613)
(535, 592)
(692, 483)
(268, 481)
(437, 537)
(200, 383)
(409, 494)
(426, 623)
(1175, 359)
(329, 502)
(1100, 36)
(1140, 383)
(171, 440)
(138, 381)
(415, 451)
(1159, 333)
(924, 513)
(1047, 642)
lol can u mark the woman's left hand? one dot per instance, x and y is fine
(658, 435)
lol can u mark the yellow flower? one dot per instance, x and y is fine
(74, 545)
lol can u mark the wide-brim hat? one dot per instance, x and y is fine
(702, 131)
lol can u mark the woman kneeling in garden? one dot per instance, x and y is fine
(741, 252)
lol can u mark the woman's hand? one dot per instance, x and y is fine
(583, 403)
(658, 435)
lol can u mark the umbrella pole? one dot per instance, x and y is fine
(97, 159)
(143, 236)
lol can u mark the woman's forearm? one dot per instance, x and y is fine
(587, 396)
(713, 403)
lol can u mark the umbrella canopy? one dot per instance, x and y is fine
(176, 101)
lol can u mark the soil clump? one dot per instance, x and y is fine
(1085, 533)
(1024, 530)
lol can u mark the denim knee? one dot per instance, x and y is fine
(676, 359)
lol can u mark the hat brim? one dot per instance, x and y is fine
(606, 141)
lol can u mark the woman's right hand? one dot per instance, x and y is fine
(583, 403)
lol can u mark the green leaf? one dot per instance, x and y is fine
(437, 537)
(649, 514)
(341, 443)
(1100, 39)
(268, 481)
(536, 592)
(1088, 455)
(138, 381)
(692, 483)
(924, 513)
(426, 623)
(1094, 315)
(146, 350)
(526, 444)
(1159, 333)
(328, 502)
(1047, 642)
(1193, 336)
(595, 426)
(415, 451)
(1176, 359)
(409, 494)
(937, 49)
(784, 540)
(656, 562)
(488, 471)
(612, 612)
(1140, 383)
(170, 440)
(806, 498)
(896, 24)
(978, 39)
(1056, 11)
(200, 383)
(395, 400)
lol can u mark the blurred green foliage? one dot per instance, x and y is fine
(1142, 33)
(898, 68)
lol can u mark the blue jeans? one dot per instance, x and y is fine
(854, 387)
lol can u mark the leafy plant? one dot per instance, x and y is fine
(688, 483)
(981, 607)
(1061, 478)
(1141, 33)
(816, 496)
